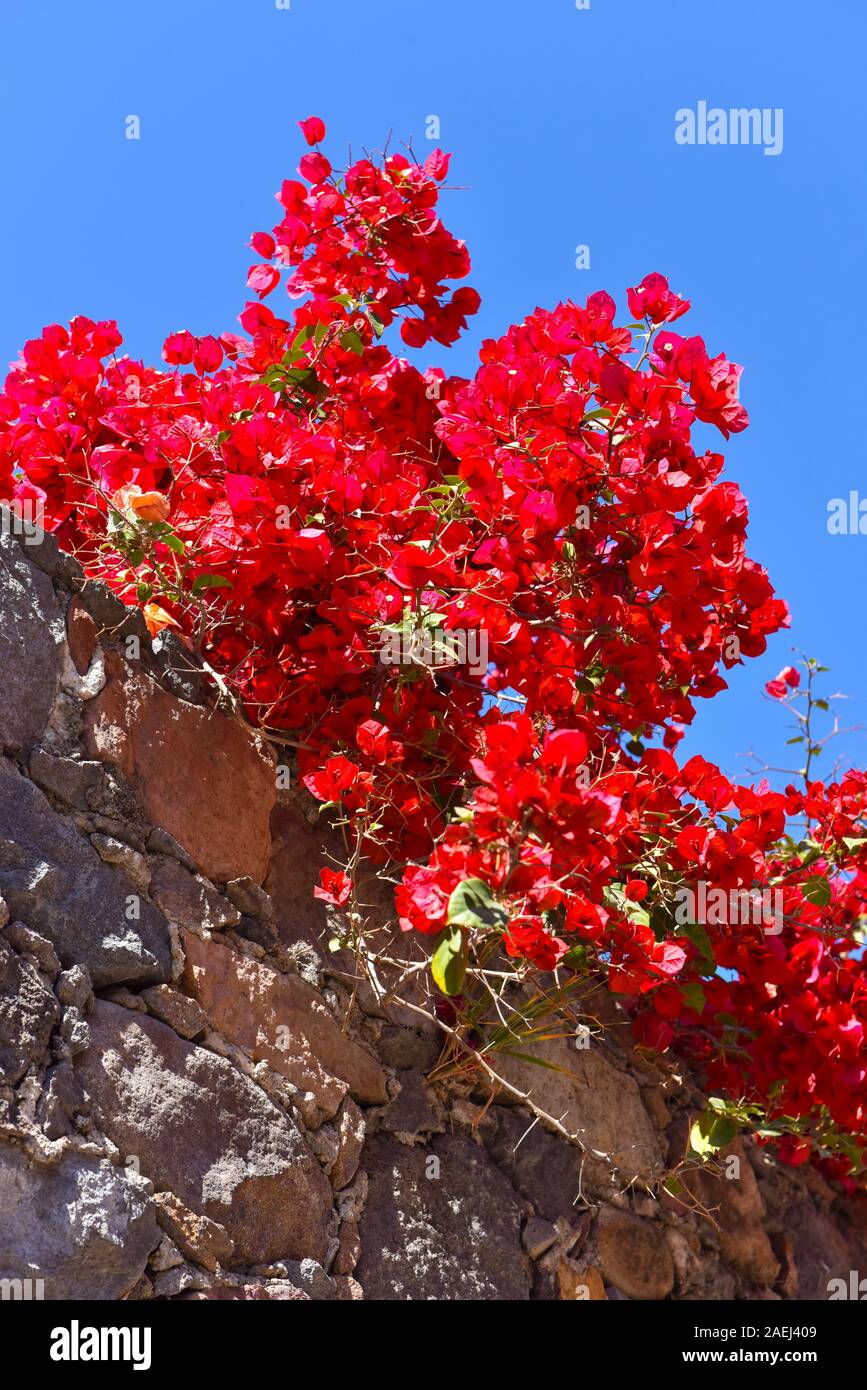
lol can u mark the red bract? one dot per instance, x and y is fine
(389, 564)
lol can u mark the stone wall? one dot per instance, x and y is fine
(198, 1100)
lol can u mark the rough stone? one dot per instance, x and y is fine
(112, 851)
(575, 1284)
(54, 880)
(538, 1236)
(178, 1280)
(260, 933)
(31, 634)
(180, 1012)
(250, 899)
(276, 1290)
(294, 873)
(74, 986)
(61, 1101)
(412, 1111)
(197, 1237)
(205, 1132)
(166, 1256)
(28, 942)
(69, 779)
(81, 634)
(192, 768)
(82, 1225)
(456, 1236)
(161, 842)
(592, 1099)
(281, 1020)
(407, 1050)
(634, 1256)
(39, 546)
(189, 901)
(74, 1031)
(126, 999)
(737, 1208)
(28, 1014)
(303, 1274)
(349, 1248)
(821, 1253)
(103, 606)
(542, 1167)
(350, 1141)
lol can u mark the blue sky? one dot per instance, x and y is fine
(562, 125)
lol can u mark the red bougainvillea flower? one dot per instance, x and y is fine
(313, 130)
(335, 887)
(788, 679)
(483, 610)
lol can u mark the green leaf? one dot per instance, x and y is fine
(809, 852)
(701, 941)
(449, 961)
(694, 997)
(352, 342)
(817, 890)
(472, 905)
(211, 581)
(710, 1133)
(576, 957)
(376, 324)
(303, 335)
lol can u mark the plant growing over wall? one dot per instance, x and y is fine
(557, 576)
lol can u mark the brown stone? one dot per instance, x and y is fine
(350, 1141)
(281, 1020)
(440, 1223)
(198, 774)
(179, 1011)
(735, 1204)
(634, 1256)
(579, 1285)
(592, 1099)
(200, 1129)
(348, 1289)
(204, 1241)
(349, 1250)
(188, 900)
(81, 635)
(784, 1248)
(821, 1252)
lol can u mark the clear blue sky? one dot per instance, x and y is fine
(562, 125)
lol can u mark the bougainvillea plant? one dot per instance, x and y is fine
(298, 499)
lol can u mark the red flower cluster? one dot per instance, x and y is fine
(304, 507)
